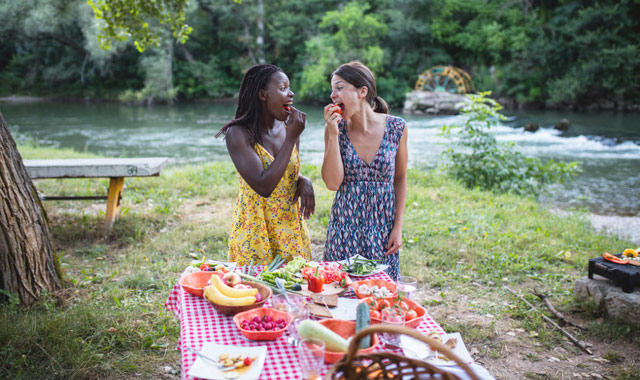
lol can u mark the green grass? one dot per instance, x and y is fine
(110, 322)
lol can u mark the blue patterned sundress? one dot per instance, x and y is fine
(364, 208)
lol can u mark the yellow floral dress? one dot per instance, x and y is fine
(261, 227)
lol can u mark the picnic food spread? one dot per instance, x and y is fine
(232, 290)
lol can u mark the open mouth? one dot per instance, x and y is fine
(341, 110)
(287, 108)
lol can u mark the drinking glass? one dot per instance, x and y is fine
(392, 316)
(407, 286)
(311, 358)
(298, 309)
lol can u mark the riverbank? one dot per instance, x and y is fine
(623, 227)
(627, 227)
(463, 245)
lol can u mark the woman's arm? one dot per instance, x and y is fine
(248, 163)
(400, 189)
(304, 191)
(332, 169)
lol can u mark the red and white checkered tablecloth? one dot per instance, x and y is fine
(200, 323)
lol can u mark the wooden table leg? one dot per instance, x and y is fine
(113, 202)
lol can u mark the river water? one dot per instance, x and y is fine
(606, 144)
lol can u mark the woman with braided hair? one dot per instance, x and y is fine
(274, 198)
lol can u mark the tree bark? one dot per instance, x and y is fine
(28, 262)
(260, 37)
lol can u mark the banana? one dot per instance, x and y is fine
(213, 294)
(231, 292)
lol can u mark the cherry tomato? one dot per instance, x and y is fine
(339, 110)
(247, 361)
(383, 304)
(204, 267)
(404, 306)
(411, 314)
(374, 314)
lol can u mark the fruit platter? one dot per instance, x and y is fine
(230, 295)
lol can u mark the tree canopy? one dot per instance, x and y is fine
(558, 52)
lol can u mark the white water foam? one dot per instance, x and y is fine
(546, 142)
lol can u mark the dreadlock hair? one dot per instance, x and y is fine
(249, 110)
(360, 76)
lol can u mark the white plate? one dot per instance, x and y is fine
(231, 266)
(379, 268)
(416, 349)
(206, 370)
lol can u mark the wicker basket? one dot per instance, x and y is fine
(388, 365)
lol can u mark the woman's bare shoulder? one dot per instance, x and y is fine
(237, 134)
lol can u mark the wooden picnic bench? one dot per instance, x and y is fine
(114, 168)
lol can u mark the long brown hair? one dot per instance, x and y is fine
(360, 76)
(249, 111)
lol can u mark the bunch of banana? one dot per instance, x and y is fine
(219, 293)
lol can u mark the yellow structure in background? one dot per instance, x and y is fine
(445, 79)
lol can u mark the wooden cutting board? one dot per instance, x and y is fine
(319, 311)
(325, 300)
(327, 289)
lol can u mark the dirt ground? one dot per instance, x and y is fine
(514, 354)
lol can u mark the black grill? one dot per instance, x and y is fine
(625, 275)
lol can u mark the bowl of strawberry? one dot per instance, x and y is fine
(263, 323)
(413, 311)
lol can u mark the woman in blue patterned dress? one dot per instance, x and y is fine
(365, 161)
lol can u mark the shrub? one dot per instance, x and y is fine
(485, 163)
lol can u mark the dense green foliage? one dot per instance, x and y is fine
(126, 18)
(561, 52)
(485, 163)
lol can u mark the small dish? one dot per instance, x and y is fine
(194, 283)
(413, 305)
(262, 335)
(345, 329)
(416, 349)
(393, 288)
(204, 369)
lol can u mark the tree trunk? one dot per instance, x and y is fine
(28, 262)
(260, 37)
